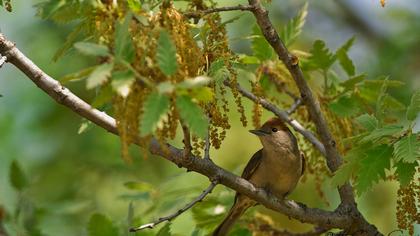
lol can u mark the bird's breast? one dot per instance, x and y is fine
(278, 172)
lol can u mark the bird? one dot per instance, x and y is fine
(276, 168)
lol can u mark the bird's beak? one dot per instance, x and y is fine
(259, 132)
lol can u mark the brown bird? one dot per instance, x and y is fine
(277, 168)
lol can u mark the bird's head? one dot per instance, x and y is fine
(274, 134)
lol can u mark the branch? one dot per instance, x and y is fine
(294, 106)
(333, 157)
(179, 212)
(323, 218)
(201, 13)
(284, 116)
(186, 140)
(3, 59)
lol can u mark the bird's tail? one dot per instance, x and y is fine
(234, 213)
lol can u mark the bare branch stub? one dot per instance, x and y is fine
(186, 140)
(178, 212)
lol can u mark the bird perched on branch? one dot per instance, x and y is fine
(277, 168)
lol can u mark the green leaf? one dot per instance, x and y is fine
(122, 81)
(99, 76)
(202, 94)
(321, 57)
(413, 109)
(349, 168)
(155, 108)
(78, 75)
(134, 5)
(377, 134)
(71, 38)
(260, 47)
(345, 106)
(294, 27)
(165, 230)
(166, 54)
(367, 121)
(407, 149)
(372, 167)
(218, 71)
(17, 178)
(405, 172)
(92, 49)
(100, 225)
(351, 83)
(381, 98)
(344, 60)
(165, 87)
(124, 48)
(103, 97)
(192, 115)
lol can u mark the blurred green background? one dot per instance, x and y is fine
(71, 176)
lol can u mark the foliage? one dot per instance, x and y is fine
(155, 69)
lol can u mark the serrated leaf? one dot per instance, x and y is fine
(218, 71)
(202, 94)
(17, 178)
(381, 98)
(260, 47)
(407, 149)
(155, 108)
(347, 170)
(124, 48)
(294, 27)
(372, 167)
(122, 81)
(377, 134)
(367, 121)
(343, 58)
(165, 230)
(351, 83)
(99, 76)
(321, 57)
(413, 109)
(192, 115)
(166, 54)
(92, 49)
(100, 225)
(345, 106)
(405, 172)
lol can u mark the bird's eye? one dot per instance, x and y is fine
(274, 129)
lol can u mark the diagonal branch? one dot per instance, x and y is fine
(284, 116)
(323, 218)
(179, 212)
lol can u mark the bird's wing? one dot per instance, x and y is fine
(252, 165)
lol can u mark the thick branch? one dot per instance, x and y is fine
(179, 212)
(201, 13)
(333, 157)
(206, 167)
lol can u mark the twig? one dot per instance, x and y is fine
(294, 106)
(207, 147)
(186, 140)
(284, 116)
(3, 59)
(179, 212)
(201, 13)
